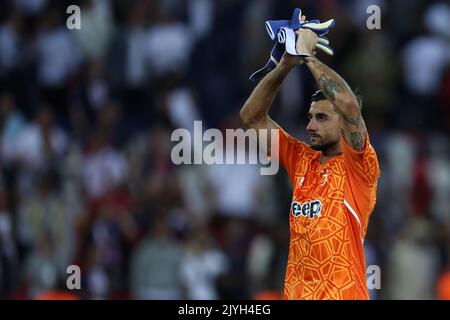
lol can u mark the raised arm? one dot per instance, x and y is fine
(337, 92)
(255, 112)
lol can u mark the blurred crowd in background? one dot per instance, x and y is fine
(86, 118)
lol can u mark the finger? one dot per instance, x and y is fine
(328, 50)
(303, 19)
(320, 26)
(323, 40)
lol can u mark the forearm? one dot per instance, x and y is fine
(334, 88)
(257, 105)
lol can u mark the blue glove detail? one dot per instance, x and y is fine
(275, 57)
(283, 33)
(274, 26)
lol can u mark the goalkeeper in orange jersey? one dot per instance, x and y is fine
(334, 179)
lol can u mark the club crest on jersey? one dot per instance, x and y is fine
(309, 209)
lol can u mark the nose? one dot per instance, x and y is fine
(312, 126)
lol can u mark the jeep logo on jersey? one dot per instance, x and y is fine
(308, 209)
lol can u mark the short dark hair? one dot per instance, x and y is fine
(319, 96)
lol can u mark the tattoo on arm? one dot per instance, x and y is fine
(356, 136)
(330, 87)
(356, 140)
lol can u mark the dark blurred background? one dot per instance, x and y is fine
(85, 122)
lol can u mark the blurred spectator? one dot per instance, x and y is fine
(9, 258)
(11, 43)
(170, 43)
(40, 268)
(424, 61)
(32, 7)
(260, 257)
(98, 282)
(413, 263)
(40, 146)
(235, 189)
(107, 231)
(197, 192)
(96, 28)
(58, 58)
(201, 15)
(439, 178)
(182, 109)
(137, 56)
(400, 153)
(255, 52)
(374, 75)
(234, 235)
(151, 177)
(425, 58)
(437, 19)
(96, 88)
(201, 265)
(266, 262)
(236, 186)
(444, 96)
(155, 265)
(104, 167)
(45, 223)
(12, 122)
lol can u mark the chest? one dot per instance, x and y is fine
(318, 193)
(317, 182)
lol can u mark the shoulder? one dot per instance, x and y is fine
(362, 163)
(366, 150)
(285, 138)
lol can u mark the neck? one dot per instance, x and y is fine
(331, 152)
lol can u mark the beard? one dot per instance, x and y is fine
(323, 146)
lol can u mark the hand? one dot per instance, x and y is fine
(306, 41)
(289, 60)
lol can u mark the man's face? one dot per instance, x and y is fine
(324, 126)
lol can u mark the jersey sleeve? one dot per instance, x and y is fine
(362, 164)
(290, 150)
(362, 177)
